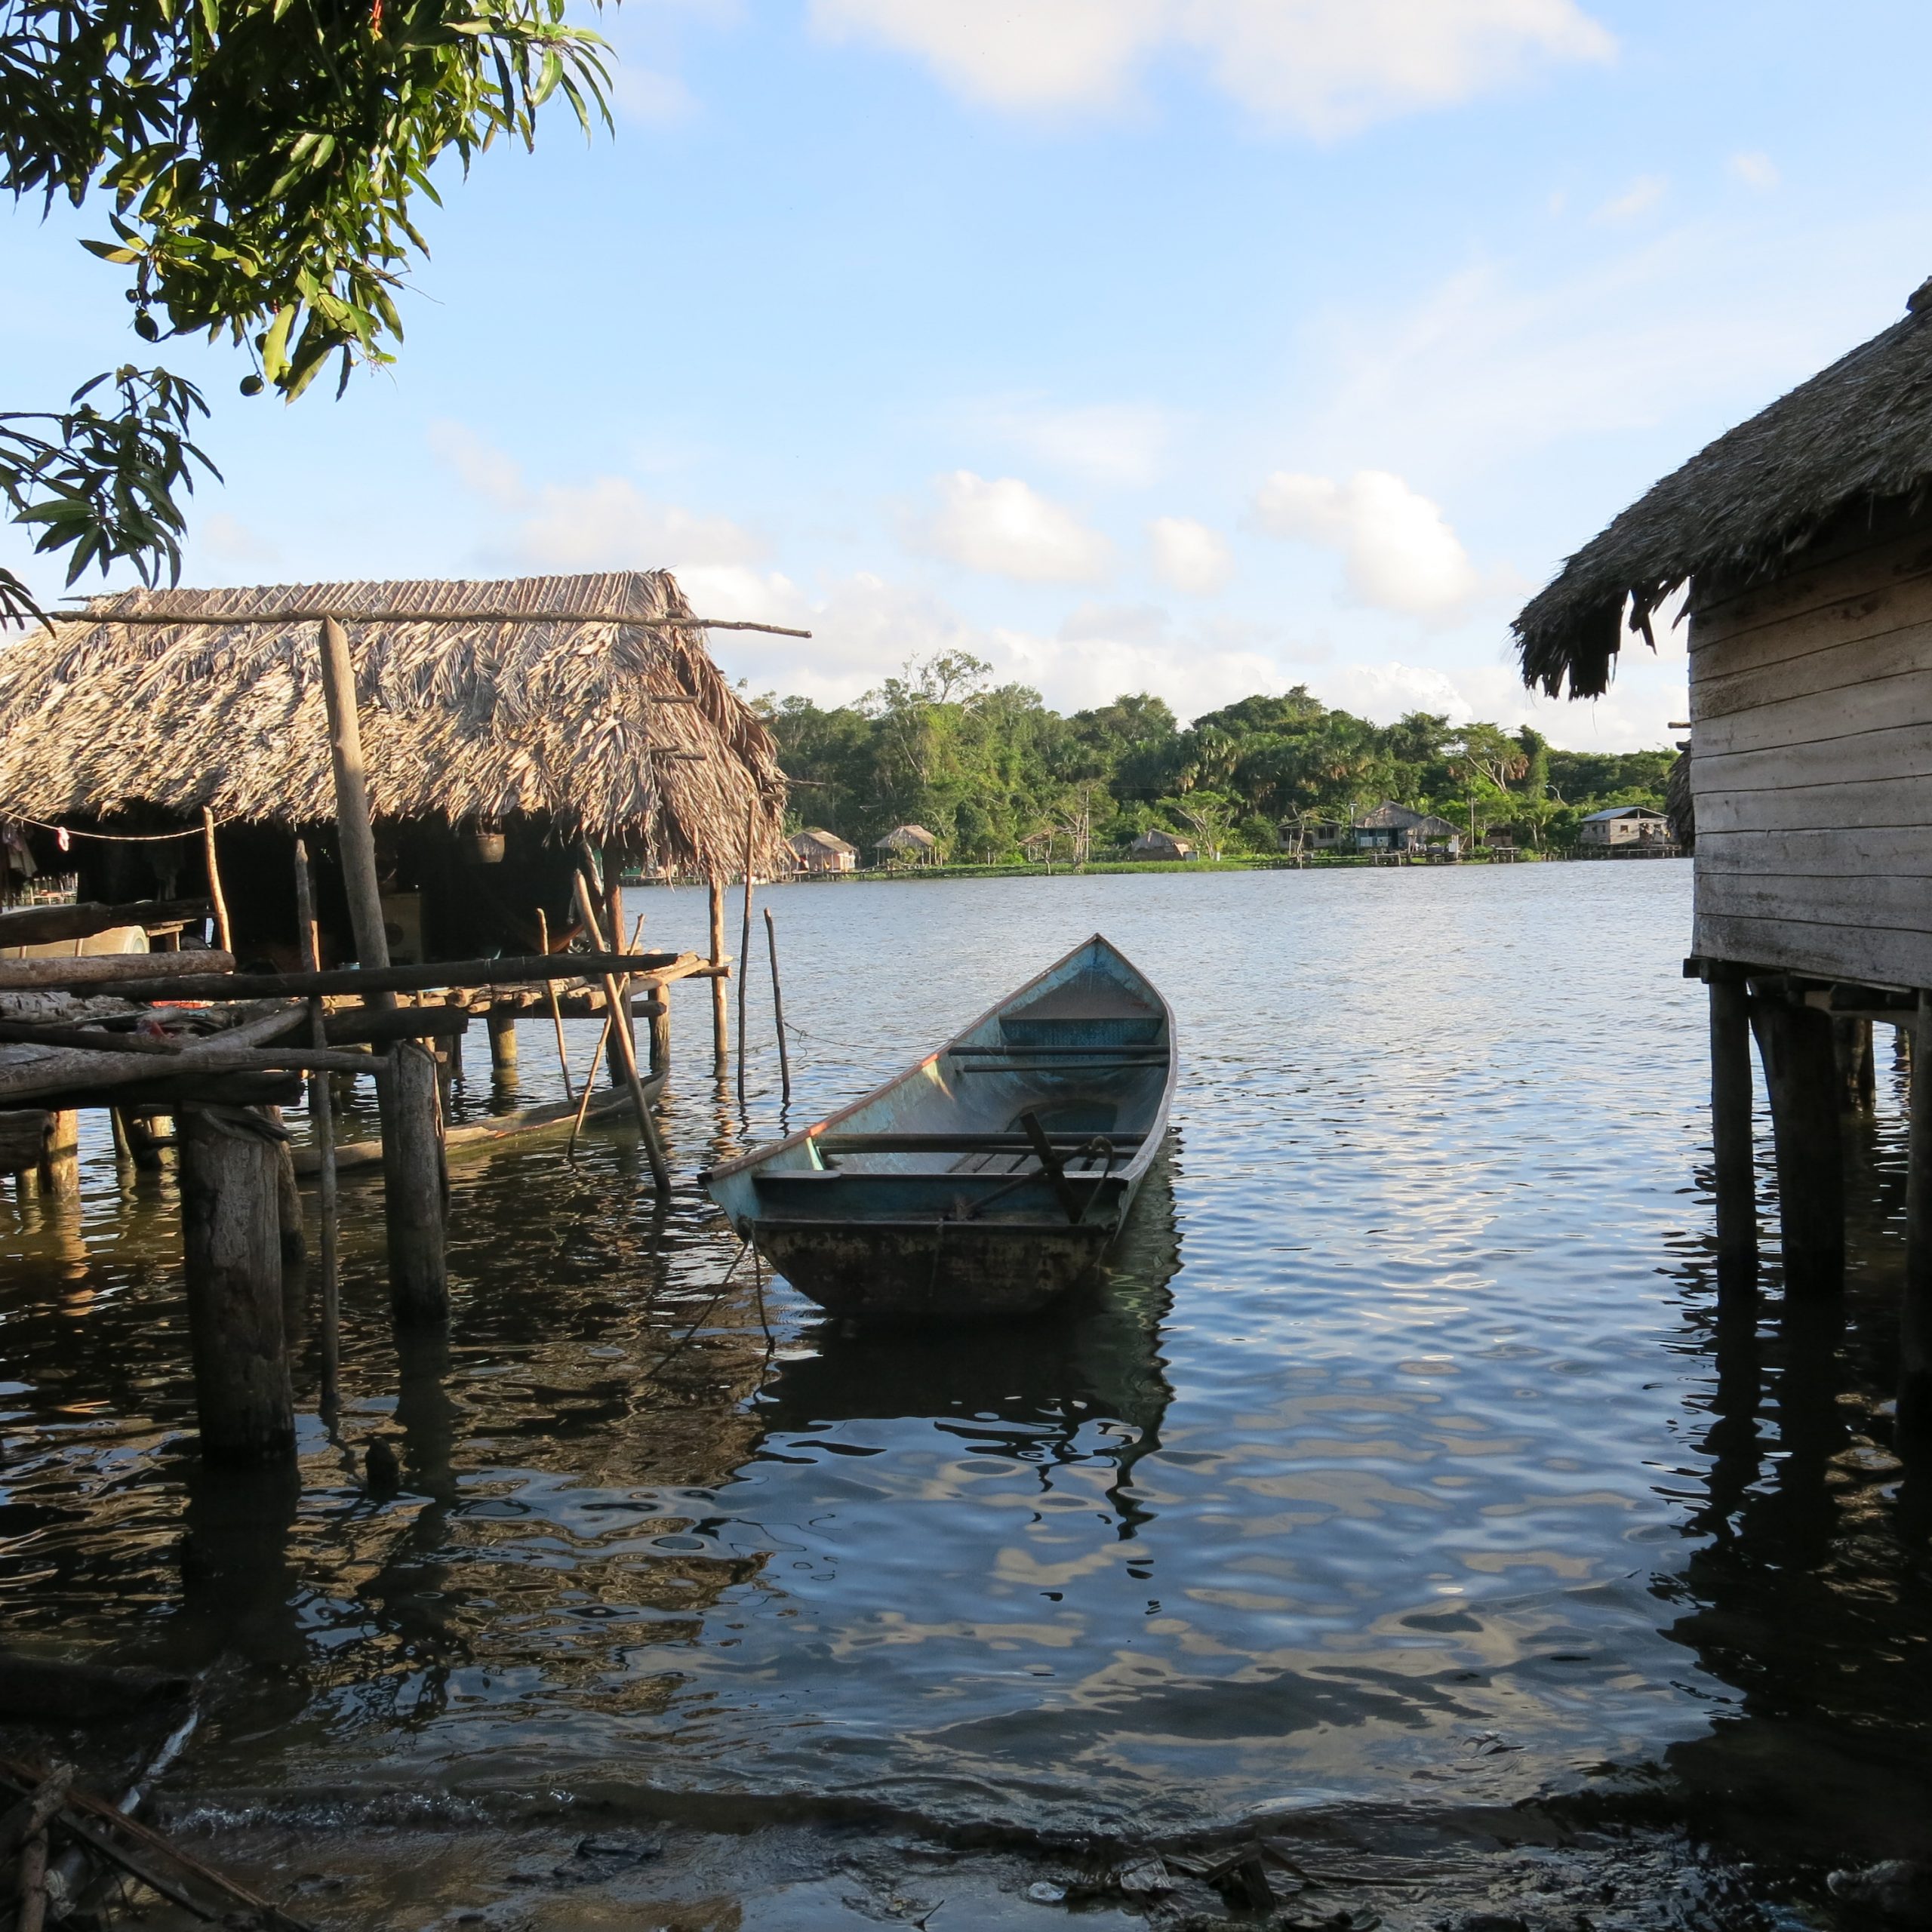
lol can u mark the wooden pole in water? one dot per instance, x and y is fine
(1801, 1073)
(60, 1169)
(556, 1011)
(1731, 1146)
(415, 1185)
(500, 1022)
(618, 1019)
(744, 942)
(778, 1007)
(321, 1114)
(232, 1244)
(224, 937)
(720, 1019)
(1915, 1326)
(354, 833)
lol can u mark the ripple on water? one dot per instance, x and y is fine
(1395, 1461)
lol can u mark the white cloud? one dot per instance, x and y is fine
(1190, 556)
(1328, 67)
(233, 541)
(1006, 527)
(606, 524)
(1110, 442)
(1398, 551)
(1754, 169)
(1642, 195)
(649, 95)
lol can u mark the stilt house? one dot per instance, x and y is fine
(506, 725)
(1802, 540)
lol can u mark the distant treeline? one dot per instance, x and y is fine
(997, 777)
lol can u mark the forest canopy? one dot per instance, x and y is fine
(998, 777)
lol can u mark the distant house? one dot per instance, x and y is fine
(817, 851)
(1393, 828)
(1156, 843)
(909, 844)
(1634, 829)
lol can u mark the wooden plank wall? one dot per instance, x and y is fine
(1811, 706)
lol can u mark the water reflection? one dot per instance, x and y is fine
(1401, 1457)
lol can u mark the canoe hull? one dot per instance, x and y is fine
(931, 1271)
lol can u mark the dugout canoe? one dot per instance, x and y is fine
(989, 1178)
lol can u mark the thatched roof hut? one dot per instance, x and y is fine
(1854, 440)
(561, 708)
(1804, 538)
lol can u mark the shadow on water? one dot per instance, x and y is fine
(1811, 1589)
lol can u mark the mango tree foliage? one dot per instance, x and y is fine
(256, 166)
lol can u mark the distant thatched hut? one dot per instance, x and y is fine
(504, 724)
(911, 845)
(815, 850)
(1157, 842)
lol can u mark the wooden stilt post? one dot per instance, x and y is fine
(556, 1011)
(660, 1029)
(778, 1008)
(231, 1243)
(616, 995)
(1731, 1140)
(1801, 1073)
(501, 1024)
(1851, 1045)
(143, 1148)
(321, 1115)
(745, 942)
(1915, 1326)
(415, 1185)
(720, 1018)
(60, 1169)
(225, 938)
(355, 833)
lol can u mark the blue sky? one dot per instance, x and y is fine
(1199, 347)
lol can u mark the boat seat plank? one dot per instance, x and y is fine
(1044, 1053)
(1035, 1065)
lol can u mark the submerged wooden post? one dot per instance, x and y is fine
(660, 1029)
(60, 1169)
(288, 1200)
(720, 1014)
(1731, 1141)
(415, 1185)
(1916, 1323)
(230, 1237)
(501, 1022)
(1800, 1074)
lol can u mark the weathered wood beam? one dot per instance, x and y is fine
(1915, 1409)
(359, 1025)
(66, 1073)
(46, 925)
(223, 983)
(189, 971)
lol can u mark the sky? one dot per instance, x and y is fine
(1200, 347)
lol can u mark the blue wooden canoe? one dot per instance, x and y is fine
(990, 1178)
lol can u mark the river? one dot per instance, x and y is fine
(1399, 1465)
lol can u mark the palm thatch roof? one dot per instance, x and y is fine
(1856, 435)
(577, 698)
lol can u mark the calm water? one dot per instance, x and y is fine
(1400, 1461)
